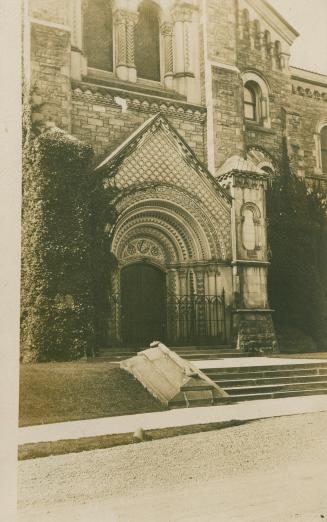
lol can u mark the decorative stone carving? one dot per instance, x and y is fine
(139, 102)
(167, 33)
(178, 203)
(182, 16)
(318, 95)
(156, 167)
(125, 22)
(143, 247)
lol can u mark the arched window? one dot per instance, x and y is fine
(250, 102)
(147, 44)
(323, 148)
(256, 99)
(97, 30)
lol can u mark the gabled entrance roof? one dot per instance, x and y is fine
(111, 164)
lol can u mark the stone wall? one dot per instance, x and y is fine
(97, 111)
(239, 42)
(256, 56)
(221, 31)
(227, 114)
(104, 119)
(50, 75)
(295, 106)
(55, 11)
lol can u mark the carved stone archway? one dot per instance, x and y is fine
(166, 228)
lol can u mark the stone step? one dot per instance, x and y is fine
(273, 381)
(276, 395)
(211, 356)
(272, 388)
(186, 353)
(174, 348)
(265, 368)
(269, 380)
(195, 387)
(222, 347)
(189, 357)
(216, 374)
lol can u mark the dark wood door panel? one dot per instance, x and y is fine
(143, 292)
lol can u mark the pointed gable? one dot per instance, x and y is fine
(158, 145)
(155, 155)
(272, 18)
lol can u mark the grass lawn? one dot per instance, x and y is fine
(58, 392)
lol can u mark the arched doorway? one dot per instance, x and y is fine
(143, 304)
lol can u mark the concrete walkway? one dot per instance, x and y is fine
(182, 417)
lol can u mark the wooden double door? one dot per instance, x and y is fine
(143, 305)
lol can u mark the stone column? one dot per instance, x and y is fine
(172, 307)
(167, 34)
(213, 274)
(182, 274)
(200, 308)
(199, 280)
(124, 22)
(253, 329)
(183, 74)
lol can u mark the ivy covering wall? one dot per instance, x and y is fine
(57, 301)
(297, 234)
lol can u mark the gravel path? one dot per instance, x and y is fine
(260, 472)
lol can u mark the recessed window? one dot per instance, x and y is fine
(256, 99)
(147, 45)
(323, 146)
(98, 40)
(250, 103)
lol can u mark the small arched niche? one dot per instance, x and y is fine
(251, 233)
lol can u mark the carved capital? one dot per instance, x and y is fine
(123, 16)
(125, 22)
(166, 29)
(182, 13)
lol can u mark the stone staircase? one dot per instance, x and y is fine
(199, 353)
(270, 382)
(241, 383)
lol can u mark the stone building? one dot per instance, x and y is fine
(186, 104)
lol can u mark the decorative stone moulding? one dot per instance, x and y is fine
(138, 102)
(309, 93)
